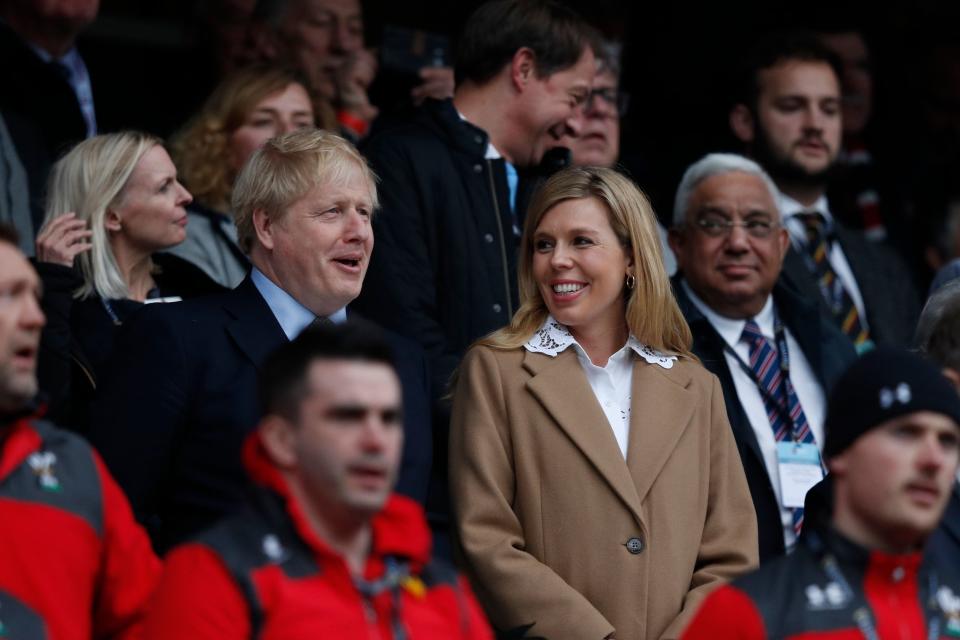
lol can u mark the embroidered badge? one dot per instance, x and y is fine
(414, 586)
(949, 603)
(831, 596)
(42, 463)
(273, 549)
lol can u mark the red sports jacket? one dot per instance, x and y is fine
(263, 573)
(70, 550)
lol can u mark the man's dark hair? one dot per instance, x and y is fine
(938, 330)
(283, 377)
(9, 235)
(496, 30)
(774, 49)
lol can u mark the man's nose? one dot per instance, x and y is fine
(32, 317)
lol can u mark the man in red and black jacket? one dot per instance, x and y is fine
(892, 448)
(323, 549)
(73, 562)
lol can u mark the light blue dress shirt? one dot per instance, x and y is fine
(292, 316)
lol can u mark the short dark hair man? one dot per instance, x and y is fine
(774, 356)
(788, 116)
(73, 563)
(453, 199)
(892, 447)
(938, 338)
(324, 550)
(180, 396)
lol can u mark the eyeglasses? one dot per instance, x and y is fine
(721, 228)
(612, 98)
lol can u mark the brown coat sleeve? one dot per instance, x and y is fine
(729, 545)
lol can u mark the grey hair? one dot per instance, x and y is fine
(715, 164)
(938, 330)
(89, 180)
(609, 54)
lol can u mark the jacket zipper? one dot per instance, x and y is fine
(503, 245)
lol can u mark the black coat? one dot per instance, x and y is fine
(78, 339)
(41, 109)
(889, 296)
(829, 353)
(443, 270)
(181, 396)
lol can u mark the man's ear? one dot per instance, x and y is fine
(523, 68)
(742, 123)
(279, 441)
(263, 227)
(837, 465)
(676, 239)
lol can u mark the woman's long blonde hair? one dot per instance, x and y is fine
(652, 314)
(89, 180)
(201, 149)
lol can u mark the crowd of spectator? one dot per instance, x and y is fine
(332, 361)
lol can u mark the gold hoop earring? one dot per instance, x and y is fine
(631, 281)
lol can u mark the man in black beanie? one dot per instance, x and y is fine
(892, 448)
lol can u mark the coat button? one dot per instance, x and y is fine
(635, 545)
(477, 168)
(488, 237)
(478, 139)
(496, 308)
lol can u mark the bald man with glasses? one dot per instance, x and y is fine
(774, 354)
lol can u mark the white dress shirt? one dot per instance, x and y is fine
(789, 208)
(610, 383)
(808, 389)
(292, 316)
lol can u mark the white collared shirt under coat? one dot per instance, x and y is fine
(809, 392)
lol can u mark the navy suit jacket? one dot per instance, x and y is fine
(829, 353)
(889, 296)
(180, 396)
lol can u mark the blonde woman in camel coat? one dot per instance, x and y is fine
(596, 485)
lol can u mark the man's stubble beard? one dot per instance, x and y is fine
(784, 170)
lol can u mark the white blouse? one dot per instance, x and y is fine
(611, 384)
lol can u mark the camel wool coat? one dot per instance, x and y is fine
(562, 538)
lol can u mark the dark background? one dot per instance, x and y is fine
(152, 68)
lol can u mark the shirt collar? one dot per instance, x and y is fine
(492, 153)
(552, 338)
(730, 329)
(292, 316)
(790, 207)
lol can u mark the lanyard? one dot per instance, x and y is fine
(782, 405)
(392, 581)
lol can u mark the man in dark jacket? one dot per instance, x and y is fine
(938, 337)
(892, 447)
(775, 356)
(180, 393)
(73, 563)
(788, 117)
(452, 192)
(324, 550)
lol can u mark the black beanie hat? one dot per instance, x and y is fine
(882, 385)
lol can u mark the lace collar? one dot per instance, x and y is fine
(552, 338)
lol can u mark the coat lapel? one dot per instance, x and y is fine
(660, 410)
(252, 326)
(562, 388)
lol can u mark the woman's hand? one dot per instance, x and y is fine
(62, 239)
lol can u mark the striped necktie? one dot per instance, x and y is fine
(836, 296)
(779, 398)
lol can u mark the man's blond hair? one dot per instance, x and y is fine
(285, 169)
